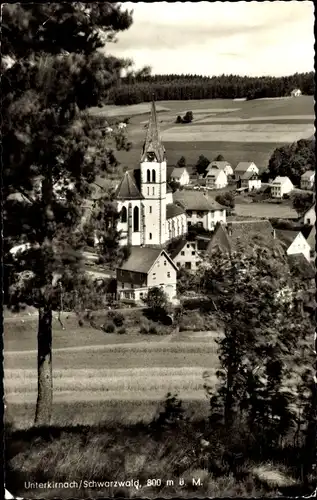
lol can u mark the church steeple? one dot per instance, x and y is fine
(152, 144)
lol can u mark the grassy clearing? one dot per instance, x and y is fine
(133, 109)
(264, 132)
(266, 210)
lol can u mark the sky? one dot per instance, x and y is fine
(213, 38)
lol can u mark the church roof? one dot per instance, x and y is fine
(153, 142)
(128, 188)
(173, 211)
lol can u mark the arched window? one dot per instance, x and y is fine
(153, 176)
(136, 219)
(124, 214)
(148, 176)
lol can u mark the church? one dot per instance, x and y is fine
(148, 216)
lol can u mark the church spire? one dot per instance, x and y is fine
(152, 143)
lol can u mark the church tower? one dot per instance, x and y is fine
(153, 184)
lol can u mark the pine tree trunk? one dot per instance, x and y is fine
(44, 366)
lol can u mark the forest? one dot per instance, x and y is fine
(140, 88)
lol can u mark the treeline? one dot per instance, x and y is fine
(136, 89)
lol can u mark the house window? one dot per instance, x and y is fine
(153, 176)
(164, 262)
(122, 285)
(127, 295)
(182, 252)
(124, 214)
(168, 275)
(132, 285)
(150, 210)
(308, 221)
(190, 213)
(150, 236)
(153, 191)
(188, 245)
(193, 253)
(136, 219)
(141, 295)
(312, 254)
(188, 265)
(148, 176)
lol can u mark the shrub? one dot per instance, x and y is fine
(122, 330)
(109, 328)
(172, 414)
(153, 329)
(116, 317)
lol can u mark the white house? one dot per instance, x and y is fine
(281, 186)
(200, 209)
(144, 269)
(221, 165)
(309, 217)
(186, 254)
(144, 199)
(181, 175)
(294, 242)
(311, 240)
(250, 181)
(296, 93)
(307, 180)
(243, 167)
(216, 179)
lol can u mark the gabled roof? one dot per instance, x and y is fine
(243, 166)
(308, 175)
(128, 188)
(213, 172)
(152, 143)
(178, 172)
(142, 259)
(241, 233)
(168, 188)
(286, 236)
(249, 175)
(282, 180)
(196, 200)
(221, 165)
(311, 238)
(313, 207)
(173, 210)
(179, 247)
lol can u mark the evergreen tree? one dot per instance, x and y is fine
(51, 152)
(181, 162)
(201, 165)
(293, 160)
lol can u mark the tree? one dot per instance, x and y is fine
(181, 162)
(188, 117)
(302, 202)
(179, 119)
(51, 152)
(293, 160)
(258, 303)
(226, 199)
(157, 301)
(219, 158)
(201, 165)
(175, 186)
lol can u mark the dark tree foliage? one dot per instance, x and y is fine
(201, 165)
(181, 162)
(293, 160)
(185, 87)
(51, 152)
(302, 202)
(226, 199)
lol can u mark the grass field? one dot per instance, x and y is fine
(115, 376)
(222, 129)
(267, 210)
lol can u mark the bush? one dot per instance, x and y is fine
(109, 328)
(116, 317)
(122, 330)
(153, 329)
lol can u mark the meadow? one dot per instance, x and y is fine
(238, 130)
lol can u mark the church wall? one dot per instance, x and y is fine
(123, 226)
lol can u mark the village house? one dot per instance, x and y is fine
(309, 217)
(243, 167)
(307, 180)
(249, 181)
(281, 186)
(309, 233)
(221, 165)
(216, 179)
(186, 254)
(294, 242)
(180, 175)
(238, 234)
(144, 269)
(144, 199)
(201, 209)
(296, 93)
